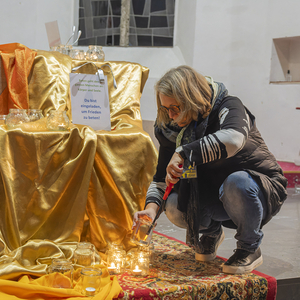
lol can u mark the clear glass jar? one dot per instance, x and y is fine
(64, 267)
(34, 114)
(90, 281)
(150, 250)
(65, 49)
(116, 261)
(16, 117)
(55, 48)
(95, 53)
(77, 54)
(84, 254)
(142, 232)
(58, 121)
(115, 245)
(2, 119)
(140, 262)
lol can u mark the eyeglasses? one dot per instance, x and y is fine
(173, 108)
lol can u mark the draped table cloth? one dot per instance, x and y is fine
(59, 188)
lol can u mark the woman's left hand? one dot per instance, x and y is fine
(174, 169)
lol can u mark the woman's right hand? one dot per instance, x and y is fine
(174, 169)
(148, 212)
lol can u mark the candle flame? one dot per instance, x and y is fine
(112, 265)
(137, 268)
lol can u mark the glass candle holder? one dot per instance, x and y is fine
(140, 263)
(149, 250)
(58, 121)
(34, 114)
(16, 117)
(65, 268)
(90, 281)
(115, 246)
(77, 54)
(55, 48)
(2, 119)
(65, 49)
(84, 254)
(95, 53)
(116, 261)
(142, 232)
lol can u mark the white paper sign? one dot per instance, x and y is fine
(90, 101)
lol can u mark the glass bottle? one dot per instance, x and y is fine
(58, 120)
(95, 53)
(16, 117)
(35, 114)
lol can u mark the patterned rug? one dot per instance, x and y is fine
(176, 275)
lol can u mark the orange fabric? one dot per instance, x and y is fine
(41, 288)
(17, 61)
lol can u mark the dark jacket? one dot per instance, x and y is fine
(253, 157)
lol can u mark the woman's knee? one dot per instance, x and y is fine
(238, 185)
(174, 215)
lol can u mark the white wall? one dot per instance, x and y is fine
(184, 31)
(231, 40)
(23, 21)
(234, 45)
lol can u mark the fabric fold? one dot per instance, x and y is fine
(17, 61)
(62, 187)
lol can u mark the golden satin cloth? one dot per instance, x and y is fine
(58, 188)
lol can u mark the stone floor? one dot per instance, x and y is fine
(280, 246)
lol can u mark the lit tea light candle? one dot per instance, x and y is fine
(137, 271)
(112, 267)
(90, 291)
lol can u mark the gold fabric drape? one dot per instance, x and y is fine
(58, 188)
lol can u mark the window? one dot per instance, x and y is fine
(151, 22)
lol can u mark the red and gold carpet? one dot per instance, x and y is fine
(176, 275)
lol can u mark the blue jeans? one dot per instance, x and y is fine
(241, 201)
